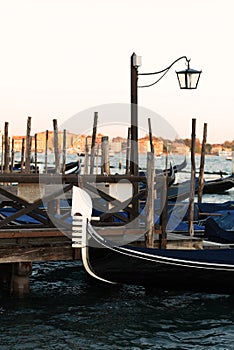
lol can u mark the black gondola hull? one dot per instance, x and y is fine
(200, 270)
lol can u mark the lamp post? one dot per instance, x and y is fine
(188, 79)
(134, 115)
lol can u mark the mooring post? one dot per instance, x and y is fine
(202, 165)
(2, 154)
(56, 147)
(6, 148)
(128, 150)
(20, 278)
(86, 158)
(105, 164)
(150, 136)
(12, 154)
(64, 151)
(164, 201)
(46, 151)
(35, 152)
(192, 183)
(150, 201)
(56, 156)
(97, 158)
(28, 147)
(22, 155)
(93, 142)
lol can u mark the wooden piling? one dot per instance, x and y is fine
(64, 151)
(105, 164)
(6, 148)
(150, 201)
(97, 158)
(46, 151)
(28, 147)
(192, 182)
(202, 165)
(56, 148)
(22, 155)
(128, 151)
(2, 154)
(150, 136)
(92, 156)
(12, 155)
(35, 152)
(86, 157)
(56, 157)
(164, 205)
(20, 278)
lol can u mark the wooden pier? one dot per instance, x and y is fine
(46, 235)
(49, 239)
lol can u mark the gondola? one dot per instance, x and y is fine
(114, 262)
(181, 191)
(160, 178)
(176, 168)
(70, 168)
(219, 185)
(181, 166)
(17, 168)
(220, 228)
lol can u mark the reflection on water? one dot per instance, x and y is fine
(65, 311)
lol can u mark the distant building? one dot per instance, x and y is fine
(18, 140)
(41, 141)
(116, 144)
(144, 145)
(216, 148)
(179, 148)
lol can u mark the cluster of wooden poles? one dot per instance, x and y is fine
(7, 165)
(89, 162)
(8, 151)
(164, 198)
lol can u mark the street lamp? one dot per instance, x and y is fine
(188, 79)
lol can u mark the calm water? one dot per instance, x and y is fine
(65, 311)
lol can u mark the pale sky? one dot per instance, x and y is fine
(60, 57)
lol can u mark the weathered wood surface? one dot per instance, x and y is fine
(35, 152)
(28, 146)
(38, 245)
(6, 148)
(55, 246)
(202, 165)
(92, 156)
(69, 178)
(56, 190)
(105, 163)
(22, 155)
(64, 151)
(150, 201)
(19, 233)
(46, 150)
(56, 148)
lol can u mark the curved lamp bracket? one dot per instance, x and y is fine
(188, 78)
